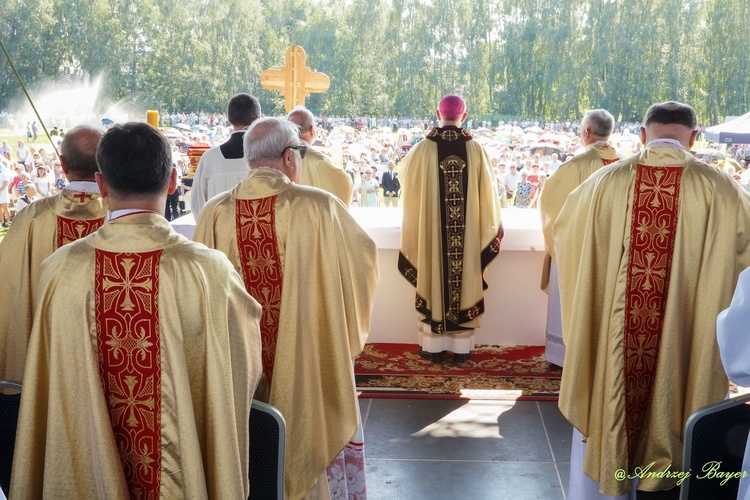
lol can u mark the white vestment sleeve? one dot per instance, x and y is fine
(733, 333)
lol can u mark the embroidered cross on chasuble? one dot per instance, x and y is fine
(652, 236)
(261, 269)
(127, 326)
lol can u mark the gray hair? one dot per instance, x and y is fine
(303, 117)
(267, 138)
(599, 121)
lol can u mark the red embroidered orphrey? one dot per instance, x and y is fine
(652, 235)
(70, 230)
(127, 328)
(607, 161)
(261, 268)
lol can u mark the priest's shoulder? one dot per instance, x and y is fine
(192, 253)
(29, 216)
(424, 144)
(210, 154)
(317, 154)
(76, 252)
(610, 176)
(217, 200)
(716, 178)
(581, 157)
(312, 193)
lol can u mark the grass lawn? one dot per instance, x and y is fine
(13, 137)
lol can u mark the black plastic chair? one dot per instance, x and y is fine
(715, 433)
(9, 405)
(267, 445)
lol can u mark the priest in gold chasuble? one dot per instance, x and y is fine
(314, 271)
(596, 127)
(648, 250)
(36, 232)
(144, 354)
(317, 169)
(451, 231)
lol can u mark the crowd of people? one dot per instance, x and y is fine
(520, 162)
(524, 154)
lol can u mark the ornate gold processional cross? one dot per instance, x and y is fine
(295, 81)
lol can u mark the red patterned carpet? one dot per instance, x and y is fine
(492, 372)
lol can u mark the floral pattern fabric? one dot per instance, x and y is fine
(346, 474)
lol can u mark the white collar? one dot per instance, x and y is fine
(83, 187)
(127, 211)
(665, 143)
(602, 142)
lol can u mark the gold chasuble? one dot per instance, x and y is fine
(569, 176)
(142, 363)
(314, 271)
(36, 232)
(451, 227)
(648, 251)
(319, 171)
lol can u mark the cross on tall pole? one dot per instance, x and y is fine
(294, 80)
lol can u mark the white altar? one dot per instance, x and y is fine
(515, 307)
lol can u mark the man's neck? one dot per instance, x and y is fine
(149, 205)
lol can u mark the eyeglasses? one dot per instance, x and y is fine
(302, 150)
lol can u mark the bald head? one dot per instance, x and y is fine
(78, 153)
(305, 120)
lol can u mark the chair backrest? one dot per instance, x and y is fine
(267, 445)
(715, 433)
(9, 405)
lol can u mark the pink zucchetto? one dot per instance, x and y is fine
(451, 106)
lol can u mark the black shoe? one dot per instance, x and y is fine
(461, 358)
(435, 357)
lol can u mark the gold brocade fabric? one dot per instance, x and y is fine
(209, 357)
(330, 271)
(33, 237)
(473, 231)
(592, 237)
(319, 171)
(569, 176)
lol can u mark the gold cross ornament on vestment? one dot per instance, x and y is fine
(294, 80)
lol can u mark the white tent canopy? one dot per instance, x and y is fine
(736, 131)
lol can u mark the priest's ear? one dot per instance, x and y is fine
(693, 135)
(102, 184)
(172, 181)
(64, 165)
(643, 135)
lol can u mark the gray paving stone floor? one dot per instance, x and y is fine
(465, 450)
